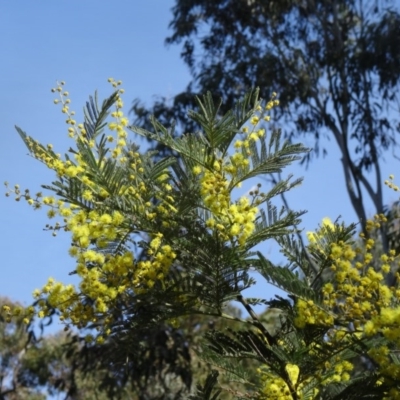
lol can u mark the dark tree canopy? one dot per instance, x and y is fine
(335, 66)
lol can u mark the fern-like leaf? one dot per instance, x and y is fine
(285, 279)
(94, 122)
(207, 391)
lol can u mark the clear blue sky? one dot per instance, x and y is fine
(84, 43)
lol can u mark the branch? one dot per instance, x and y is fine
(254, 317)
(350, 171)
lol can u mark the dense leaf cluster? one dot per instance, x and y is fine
(163, 245)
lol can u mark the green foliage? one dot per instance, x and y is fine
(334, 65)
(164, 245)
(206, 392)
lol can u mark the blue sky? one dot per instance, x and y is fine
(83, 44)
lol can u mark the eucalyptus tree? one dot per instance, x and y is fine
(335, 65)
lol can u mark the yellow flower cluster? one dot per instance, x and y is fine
(391, 184)
(275, 387)
(253, 133)
(105, 276)
(313, 236)
(156, 268)
(120, 124)
(238, 161)
(310, 313)
(80, 170)
(214, 189)
(358, 295)
(102, 276)
(233, 221)
(93, 227)
(68, 168)
(358, 291)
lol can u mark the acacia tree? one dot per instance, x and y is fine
(335, 65)
(158, 239)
